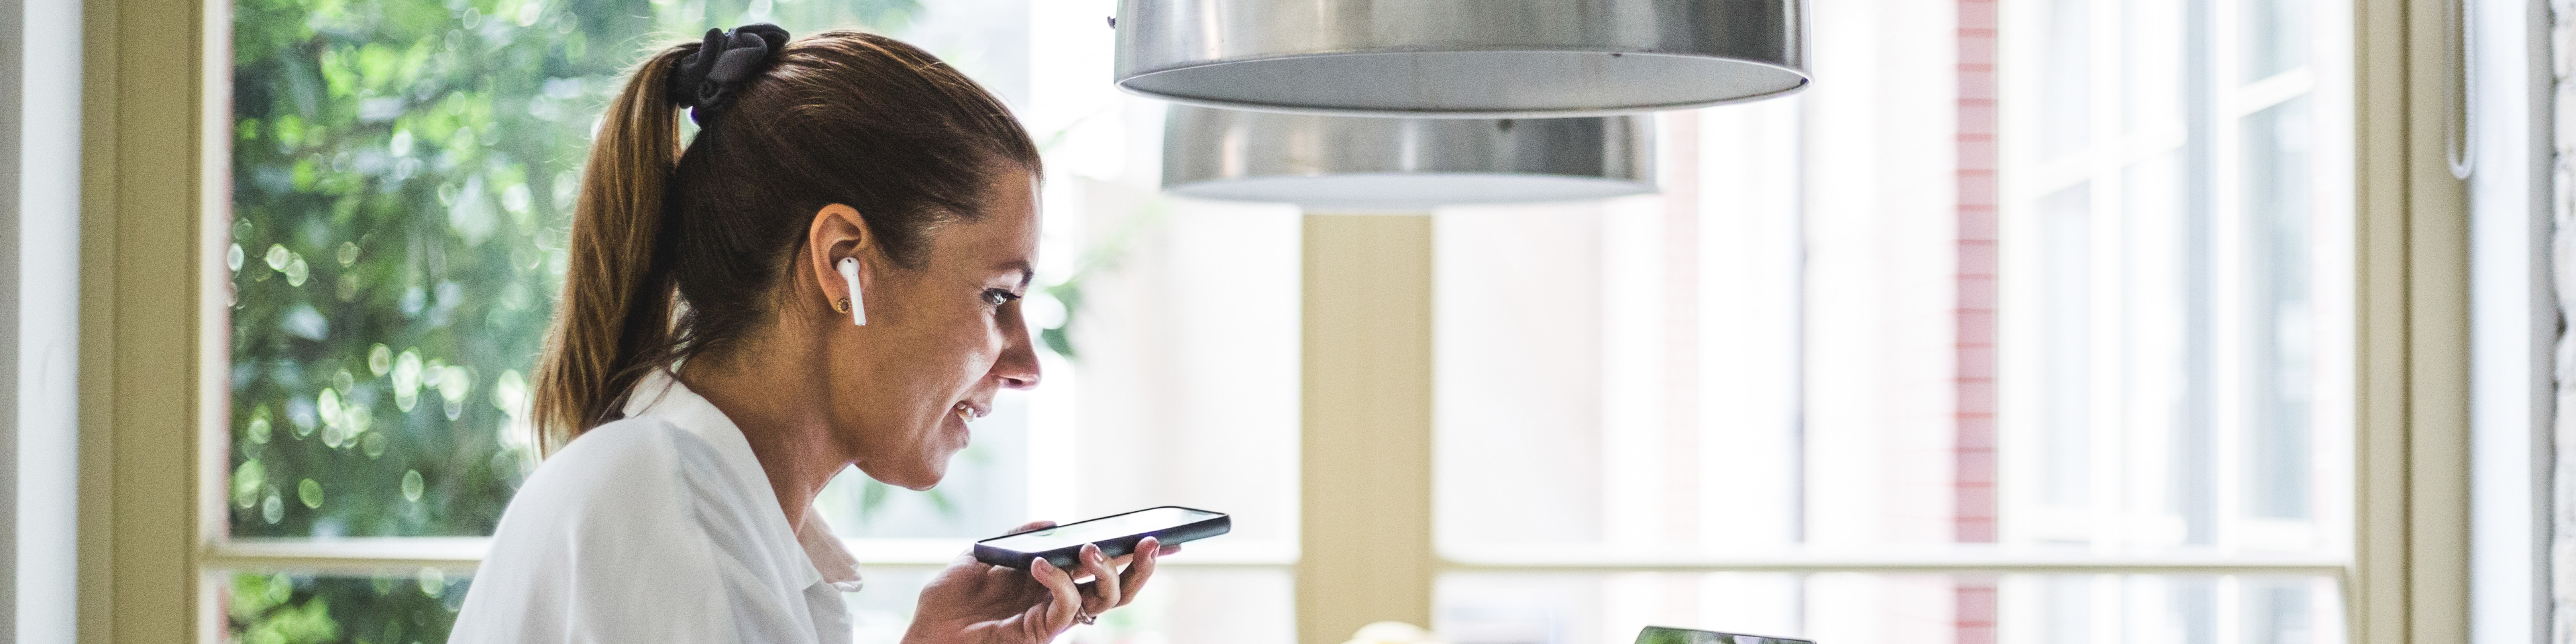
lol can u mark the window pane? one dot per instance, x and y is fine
(2176, 357)
(1519, 363)
(269, 608)
(403, 177)
(1567, 411)
(1238, 605)
(2281, 378)
(415, 164)
(2065, 609)
(1570, 608)
(1184, 387)
(2153, 86)
(1247, 605)
(1604, 387)
(2067, 243)
(2169, 349)
(2066, 90)
(2274, 36)
(2284, 611)
(2179, 609)
(1857, 608)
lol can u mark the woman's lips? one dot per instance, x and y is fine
(966, 413)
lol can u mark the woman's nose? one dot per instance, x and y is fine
(1018, 367)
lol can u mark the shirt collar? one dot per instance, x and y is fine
(662, 396)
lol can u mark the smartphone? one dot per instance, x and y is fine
(1117, 535)
(1670, 635)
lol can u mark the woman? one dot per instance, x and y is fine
(711, 369)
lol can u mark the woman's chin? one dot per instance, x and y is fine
(919, 475)
(917, 481)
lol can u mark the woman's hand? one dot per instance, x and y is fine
(972, 602)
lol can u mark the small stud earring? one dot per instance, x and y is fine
(841, 305)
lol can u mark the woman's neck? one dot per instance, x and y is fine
(781, 417)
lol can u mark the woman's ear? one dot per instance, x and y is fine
(837, 232)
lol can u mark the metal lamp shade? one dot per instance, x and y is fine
(1363, 163)
(1460, 58)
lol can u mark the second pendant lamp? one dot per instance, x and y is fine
(1344, 163)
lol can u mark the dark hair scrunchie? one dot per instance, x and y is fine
(707, 79)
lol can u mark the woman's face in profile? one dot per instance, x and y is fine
(942, 340)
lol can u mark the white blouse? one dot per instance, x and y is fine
(657, 528)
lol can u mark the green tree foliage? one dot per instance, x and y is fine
(403, 174)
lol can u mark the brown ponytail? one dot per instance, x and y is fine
(615, 304)
(674, 251)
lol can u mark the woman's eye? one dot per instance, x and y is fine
(998, 297)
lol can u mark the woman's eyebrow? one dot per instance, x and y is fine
(1026, 272)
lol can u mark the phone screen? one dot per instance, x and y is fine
(1104, 528)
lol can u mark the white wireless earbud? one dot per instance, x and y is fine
(850, 275)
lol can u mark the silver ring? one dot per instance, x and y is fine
(1084, 617)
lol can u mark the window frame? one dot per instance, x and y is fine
(2409, 577)
(155, 74)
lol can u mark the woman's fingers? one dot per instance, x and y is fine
(997, 574)
(1141, 568)
(1104, 584)
(1064, 601)
(1122, 560)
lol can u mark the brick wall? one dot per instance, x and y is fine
(1975, 381)
(1976, 273)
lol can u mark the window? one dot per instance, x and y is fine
(403, 178)
(2184, 277)
(1886, 359)
(2074, 369)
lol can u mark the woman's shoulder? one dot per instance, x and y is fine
(630, 468)
(618, 454)
(619, 445)
(594, 539)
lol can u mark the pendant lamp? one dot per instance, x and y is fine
(1347, 163)
(1461, 58)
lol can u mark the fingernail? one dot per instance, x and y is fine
(1091, 550)
(1042, 565)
